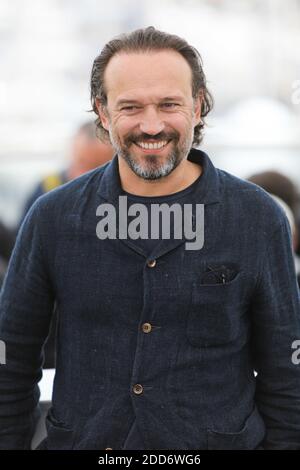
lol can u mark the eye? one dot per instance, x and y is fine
(129, 109)
(170, 105)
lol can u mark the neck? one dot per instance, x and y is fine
(180, 178)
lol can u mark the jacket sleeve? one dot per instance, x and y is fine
(275, 326)
(26, 306)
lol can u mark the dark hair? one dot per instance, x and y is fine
(147, 40)
(278, 184)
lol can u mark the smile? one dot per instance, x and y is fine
(152, 145)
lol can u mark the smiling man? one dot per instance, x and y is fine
(150, 115)
(157, 344)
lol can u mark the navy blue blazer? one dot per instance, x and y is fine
(152, 352)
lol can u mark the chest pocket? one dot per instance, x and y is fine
(215, 313)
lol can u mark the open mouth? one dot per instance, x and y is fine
(152, 146)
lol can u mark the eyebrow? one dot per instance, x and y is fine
(167, 98)
(126, 102)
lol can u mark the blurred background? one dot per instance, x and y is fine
(250, 51)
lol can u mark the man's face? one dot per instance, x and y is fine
(150, 112)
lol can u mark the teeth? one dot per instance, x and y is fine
(152, 146)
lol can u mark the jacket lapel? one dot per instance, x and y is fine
(207, 192)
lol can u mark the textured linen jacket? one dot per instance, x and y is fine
(149, 355)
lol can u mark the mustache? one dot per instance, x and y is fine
(136, 138)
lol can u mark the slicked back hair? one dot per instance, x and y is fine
(150, 40)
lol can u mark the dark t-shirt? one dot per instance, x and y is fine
(181, 197)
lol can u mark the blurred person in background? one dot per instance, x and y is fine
(7, 240)
(87, 152)
(276, 183)
(157, 343)
(294, 231)
(283, 187)
(286, 194)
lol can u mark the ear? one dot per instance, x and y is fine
(197, 108)
(103, 115)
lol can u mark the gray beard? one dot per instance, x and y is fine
(152, 170)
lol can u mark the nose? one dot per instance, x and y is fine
(151, 122)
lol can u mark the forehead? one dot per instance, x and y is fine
(137, 75)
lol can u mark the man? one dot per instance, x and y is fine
(158, 341)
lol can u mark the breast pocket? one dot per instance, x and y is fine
(215, 313)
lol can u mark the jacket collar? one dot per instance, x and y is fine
(207, 191)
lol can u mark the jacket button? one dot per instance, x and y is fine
(146, 327)
(138, 389)
(151, 263)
